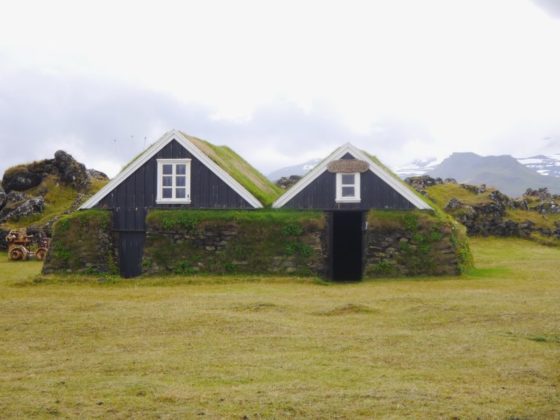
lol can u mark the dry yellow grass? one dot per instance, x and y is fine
(484, 345)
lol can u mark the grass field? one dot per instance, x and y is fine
(483, 345)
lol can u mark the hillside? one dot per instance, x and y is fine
(487, 211)
(36, 194)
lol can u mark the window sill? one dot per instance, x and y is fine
(173, 201)
(348, 200)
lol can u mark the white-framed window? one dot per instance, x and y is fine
(348, 188)
(173, 181)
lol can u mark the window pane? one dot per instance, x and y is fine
(166, 193)
(180, 181)
(179, 193)
(181, 169)
(167, 169)
(167, 181)
(348, 192)
(347, 179)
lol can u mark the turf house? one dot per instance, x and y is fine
(185, 206)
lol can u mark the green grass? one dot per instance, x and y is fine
(543, 220)
(484, 345)
(255, 182)
(182, 219)
(442, 193)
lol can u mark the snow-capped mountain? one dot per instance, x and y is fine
(510, 175)
(300, 170)
(418, 167)
(544, 165)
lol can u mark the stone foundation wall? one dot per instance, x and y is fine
(221, 242)
(186, 242)
(414, 243)
(82, 243)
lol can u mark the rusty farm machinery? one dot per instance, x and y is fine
(21, 246)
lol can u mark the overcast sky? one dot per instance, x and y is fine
(279, 81)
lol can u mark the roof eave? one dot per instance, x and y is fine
(403, 190)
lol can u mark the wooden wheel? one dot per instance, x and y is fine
(40, 254)
(18, 253)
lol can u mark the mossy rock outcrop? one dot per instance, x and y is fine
(37, 194)
(486, 211)
(64, 166)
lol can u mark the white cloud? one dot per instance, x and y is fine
(467, 74)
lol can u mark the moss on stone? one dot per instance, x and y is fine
(221, 242)
(428, 238)
(82, 243)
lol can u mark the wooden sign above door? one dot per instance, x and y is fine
(347, 166)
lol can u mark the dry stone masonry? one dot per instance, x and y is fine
(188, 242)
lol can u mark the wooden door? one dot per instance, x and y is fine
(131, 249)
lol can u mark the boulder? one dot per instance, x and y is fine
(501, 199)
(547, 207)
(94, 174)
(420, 183)
(13, 200)
(14, 197)
(71, 171)
(454, 204)
(3, 198)
(27, 208)
(475, 189)
(542, 193)
(520, 203)
(20, 178)
(287, 182)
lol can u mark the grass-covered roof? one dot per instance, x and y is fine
(240, 170)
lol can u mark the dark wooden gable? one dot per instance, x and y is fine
(131, 199)
(375, 194)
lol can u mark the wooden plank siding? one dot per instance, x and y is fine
(374, 193)
(131, 199)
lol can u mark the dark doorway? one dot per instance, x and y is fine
(131, 249)
(346, 245)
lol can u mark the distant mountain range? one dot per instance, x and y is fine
(503, 172)
(300, 170)
(510, 175)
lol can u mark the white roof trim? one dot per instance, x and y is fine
(156, 147)
(358, 154)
